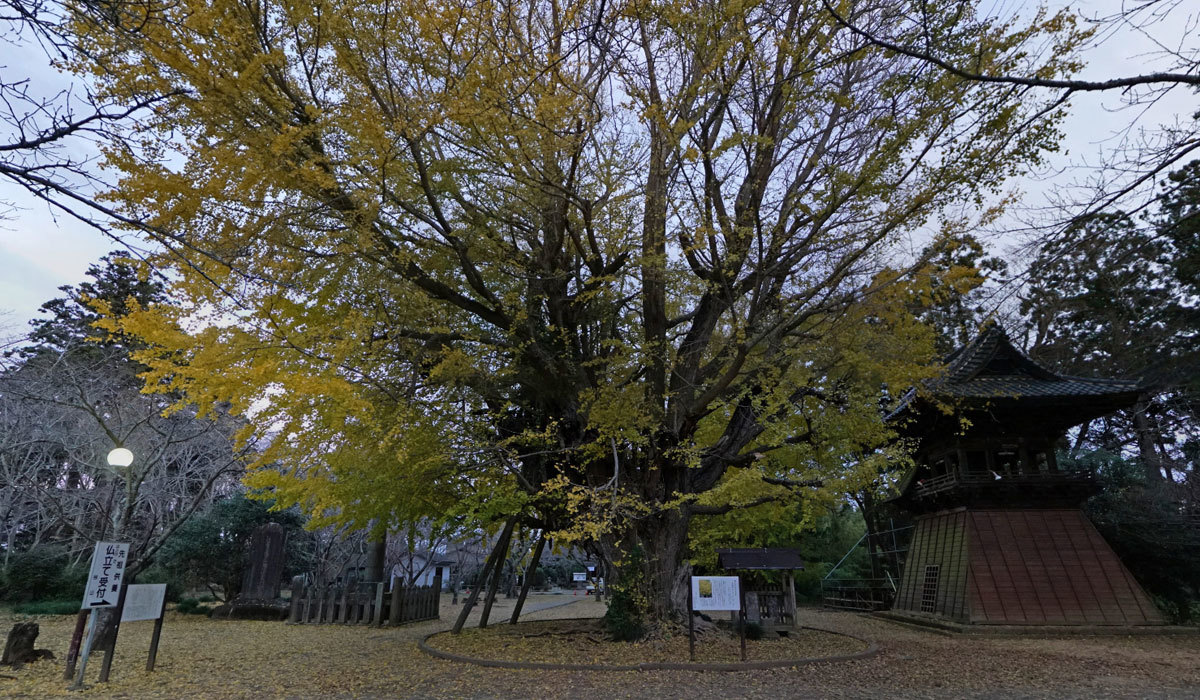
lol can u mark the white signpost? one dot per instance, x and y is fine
(715, 593)
(579, 576)
(104, 583)
(106, 576)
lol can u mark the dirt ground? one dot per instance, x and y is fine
(202, 658)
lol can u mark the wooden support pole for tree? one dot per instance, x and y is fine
(533, 564)
(497, 574)
(487, 567)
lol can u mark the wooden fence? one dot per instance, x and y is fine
(364, 603)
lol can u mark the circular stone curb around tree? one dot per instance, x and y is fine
(871, 650)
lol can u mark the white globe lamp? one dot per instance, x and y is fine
(120, 457)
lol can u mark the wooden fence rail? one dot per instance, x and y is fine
(364, 603)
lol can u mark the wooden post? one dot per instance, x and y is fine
(76, 639)
(533, 564)
(397, 598)
(341, 617)
(297, 591)
(742, 603)
(331, 606)
(691, 623)
(377, 613)
(366, 593)
(158, 623)
(437, 593)
(110, 649)
(789, 590)
(497, 573)
(487, 567)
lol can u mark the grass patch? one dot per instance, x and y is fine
(47, 607)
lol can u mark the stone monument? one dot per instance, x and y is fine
(259, 598)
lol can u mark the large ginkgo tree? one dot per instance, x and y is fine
(602, 266)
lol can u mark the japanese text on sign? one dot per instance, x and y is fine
(715, 593)
(106, 575)
(143, 601)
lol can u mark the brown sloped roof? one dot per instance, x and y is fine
(760, 558)
(992, 367)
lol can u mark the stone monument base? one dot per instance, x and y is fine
(252, 610)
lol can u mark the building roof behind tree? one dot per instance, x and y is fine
(760, 558)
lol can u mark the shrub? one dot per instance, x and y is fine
(42, 573)
(754, 630)
(624, 618)
(626, 614)
(191, 606)
(48, 607)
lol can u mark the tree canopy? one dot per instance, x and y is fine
(602, 266)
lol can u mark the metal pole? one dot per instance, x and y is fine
(87, 650)
(835, 566)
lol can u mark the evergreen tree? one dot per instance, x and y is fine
(71, 317)
(1114, 296)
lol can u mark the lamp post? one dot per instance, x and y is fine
(122, 458)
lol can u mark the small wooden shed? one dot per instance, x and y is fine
(774, 609)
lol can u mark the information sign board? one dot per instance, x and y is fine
(107, 575)
(716, 593)
(143, 601)
(579, 576)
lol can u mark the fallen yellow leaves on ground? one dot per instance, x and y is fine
(220, 659)
(585, 642)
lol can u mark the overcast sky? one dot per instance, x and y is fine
(41, 250)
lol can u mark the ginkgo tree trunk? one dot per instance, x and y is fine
(603, 266)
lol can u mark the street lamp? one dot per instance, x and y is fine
(120, 457)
